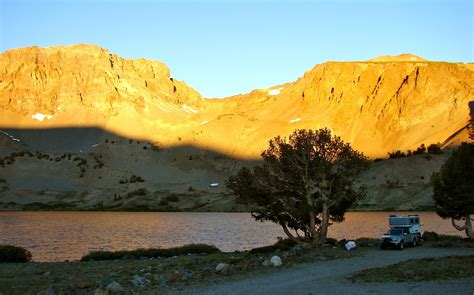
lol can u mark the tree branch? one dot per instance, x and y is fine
(296, 231)
(287, 232)
(460, 228)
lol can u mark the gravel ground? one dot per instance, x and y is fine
(331, 277)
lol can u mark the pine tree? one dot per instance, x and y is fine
(453, 188)
(304, 183)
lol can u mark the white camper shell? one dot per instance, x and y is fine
(404, 230)
(411, 222)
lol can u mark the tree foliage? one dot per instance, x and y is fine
(304, 182)
(453, 188)
(434, 148)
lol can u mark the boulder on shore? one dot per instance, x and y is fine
(114, 287)
(276, 261)
(350, 245)
(139, 281)
(221, 267)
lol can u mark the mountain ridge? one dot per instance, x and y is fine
(378, 106)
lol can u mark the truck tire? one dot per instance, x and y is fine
(401, 246)
(415, 242)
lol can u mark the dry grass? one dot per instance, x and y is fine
(415, 270)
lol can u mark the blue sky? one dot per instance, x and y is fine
(223, 48)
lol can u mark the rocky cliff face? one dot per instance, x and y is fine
(51, 80)
(381, 105)
(384, 106)
(85, 85)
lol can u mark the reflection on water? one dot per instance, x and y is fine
(57, 236)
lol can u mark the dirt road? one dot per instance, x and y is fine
(330, 277)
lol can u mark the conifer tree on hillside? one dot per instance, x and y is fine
(304, 183)
(453, 188)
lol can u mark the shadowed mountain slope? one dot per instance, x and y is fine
(90, 168)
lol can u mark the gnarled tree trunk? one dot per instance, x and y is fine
(325, 212)
(324, 224)
(467, 227)
(312, 216)
(469, 232)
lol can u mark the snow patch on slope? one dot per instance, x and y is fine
(275, 91)
(40, 117)
(188, 109)
(10, 136)
(164, 110)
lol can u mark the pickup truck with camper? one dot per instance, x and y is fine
(404, 230)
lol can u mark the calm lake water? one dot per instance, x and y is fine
(57, 236)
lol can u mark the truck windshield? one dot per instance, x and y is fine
(395, 232)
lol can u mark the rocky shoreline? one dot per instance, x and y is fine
(129, 275)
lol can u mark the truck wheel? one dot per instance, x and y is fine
(382, 247)
(415, 242)
(401, 246)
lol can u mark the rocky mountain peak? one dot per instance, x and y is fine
(398, 58)
(48, 80)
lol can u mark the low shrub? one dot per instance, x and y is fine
(434, 149)
(283, 245)
(367, 242)
(163, 202)
(396, 154)
(451, 238)
(331, 242)
(448, 241)
(420, 150)
(430, 236)
(156, 146)
(393, 183)
(172, 198)
(151, 252)
(9, 253)
(135, 178)
(137, 192)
